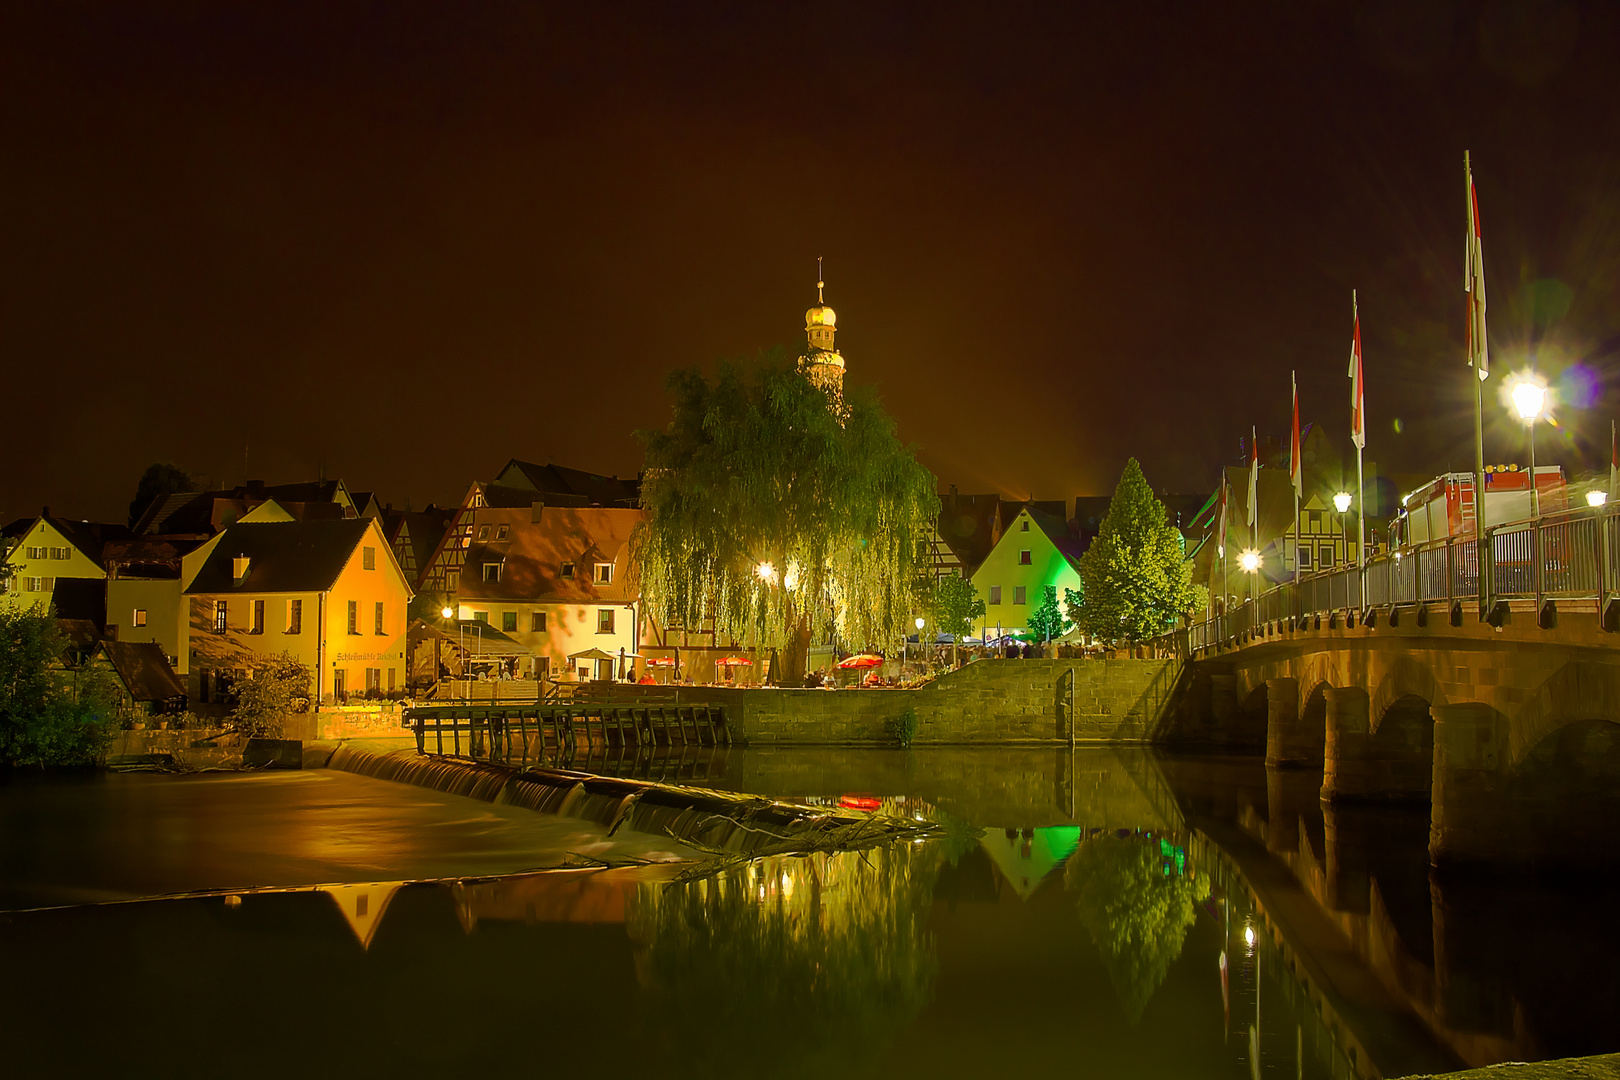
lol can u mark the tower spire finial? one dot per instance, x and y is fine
(820, 284)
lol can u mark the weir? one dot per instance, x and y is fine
(518, 734)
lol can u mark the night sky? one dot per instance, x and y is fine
(410, 241)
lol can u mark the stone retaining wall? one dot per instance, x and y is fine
(1002, 702)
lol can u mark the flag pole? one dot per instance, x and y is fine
(1295, 466)
(1361, 482)
(1476, 371)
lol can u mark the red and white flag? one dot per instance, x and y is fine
(1294, 472)
(1474, 281)
(1358, 406)
(1254, 478)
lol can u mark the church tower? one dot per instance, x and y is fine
(821, 362)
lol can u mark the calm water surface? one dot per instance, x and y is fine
(1096, 913)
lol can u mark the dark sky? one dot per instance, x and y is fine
(410, 241)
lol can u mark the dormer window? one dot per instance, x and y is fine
(483, 532)
(604, 573)
(492, 571)
(568, 571)
(501, 531)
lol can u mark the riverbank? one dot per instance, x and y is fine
(1602, 1067)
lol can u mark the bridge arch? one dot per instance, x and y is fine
(1405, 678)
(1579, 691)
(1313, 705)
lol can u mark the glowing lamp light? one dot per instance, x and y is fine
(919, 622)
(1528, 399)
(1596, 498)
(1250, 560)
(1248, 936)
(766, 571)
(1341, 501)
(448, 612)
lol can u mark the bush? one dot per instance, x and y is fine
(266, 698)
(48, 715)
(902, 728)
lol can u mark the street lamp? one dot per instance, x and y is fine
(1341, 503)
(920, 622)
(1596, 498)
(1249, 560)
(1529, 397)
(447, 612)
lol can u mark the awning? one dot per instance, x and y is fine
(592, 654)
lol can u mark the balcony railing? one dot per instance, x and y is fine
(1569, 556)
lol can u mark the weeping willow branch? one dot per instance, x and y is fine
(776, 520)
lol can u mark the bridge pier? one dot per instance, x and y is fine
(1348, 876)
(1290, 739)
(1345, 755)
(1472, 817)
(1394, 763)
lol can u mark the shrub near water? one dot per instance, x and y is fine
(902, 728)
(49, 715)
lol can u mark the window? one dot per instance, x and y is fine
(377, 619)
(1023, 558)
(139, 618)
(568, 571)
(995, 594)
(368, 558)
(542, 667)
(481, 616)
(537, 622)
(1304, 558)
(219, 616)
(1316, 521)
(492, 571)
(502, 531)
(1327, 555)
(373, 681)
(354, 616)
(295, 616)
(393, 679)
(604, 573)
(483, 532)
(202, 686)
(509, 620)
(340, 684)
(452, 581)
(36, 553)
(258, 618)
(61, 553)
(1018, 594)
(1023, 526)
(604, 620)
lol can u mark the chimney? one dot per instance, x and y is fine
(536, 508)
(239, 568)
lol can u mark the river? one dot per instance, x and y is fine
(1103, 913)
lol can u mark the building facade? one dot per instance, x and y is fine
(1035, 551)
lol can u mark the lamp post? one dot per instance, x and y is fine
(920, 622)
(1528, 398)
(1341, 503)
(1250, 561)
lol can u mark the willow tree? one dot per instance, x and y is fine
(776, 517)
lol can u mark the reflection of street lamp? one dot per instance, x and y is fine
(1341, 503)
(1528, 398)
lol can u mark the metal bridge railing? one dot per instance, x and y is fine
(1573, 555)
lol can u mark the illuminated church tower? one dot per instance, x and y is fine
(821, 362)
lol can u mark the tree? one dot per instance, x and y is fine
(160, 479)
(952, 604)
(1047, 622)
(49, 716)
(776, 517)
(266, 698)
(1137, 581)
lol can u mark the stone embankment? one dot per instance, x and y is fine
(1603, 1067)
(988, 702)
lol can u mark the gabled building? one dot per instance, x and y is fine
(553, 578)
(329, 593)
(147, 682)
(54, 549)
(204, 513)
(415, 535)
(1035, 551)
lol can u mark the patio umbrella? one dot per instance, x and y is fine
(735, 661)
(861, 660)
(661, 661)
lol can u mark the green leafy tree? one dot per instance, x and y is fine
(953, 605)
(49, 715)
(1047, 622)
(1137, 910)
(160, 479)
(1073, 601)
(1136, 579)
(777, 516)
(272, 693)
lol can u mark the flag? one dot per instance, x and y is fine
(1474, 281)
(1254, 478)
(1358, 407)
(1220, 517)
(1294, 472)
(1614, 462)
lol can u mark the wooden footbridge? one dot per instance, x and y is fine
(520, 733)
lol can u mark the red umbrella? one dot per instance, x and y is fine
(735, 661)
(861, 660)
(661, 661)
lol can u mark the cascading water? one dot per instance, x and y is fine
(716, 821)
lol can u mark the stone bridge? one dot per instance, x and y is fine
(1508, 727)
